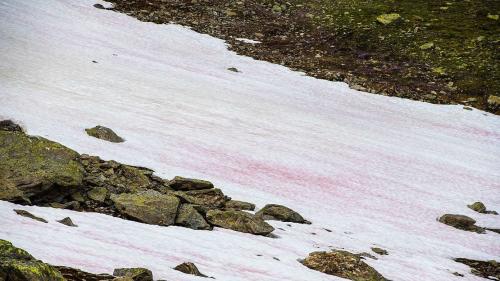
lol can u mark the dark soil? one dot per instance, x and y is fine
(442, 52)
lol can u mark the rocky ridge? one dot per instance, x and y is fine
(37, 171)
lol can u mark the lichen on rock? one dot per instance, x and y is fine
(342, 264)
(18, 265)
(149, 207)
(239, 221)
(281, 213)
(104, 133)
(36, 169)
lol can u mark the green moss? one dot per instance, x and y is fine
(37, 162)
(17, 264)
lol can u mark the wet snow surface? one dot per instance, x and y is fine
(377, 171)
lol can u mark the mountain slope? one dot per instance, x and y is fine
(375, 170)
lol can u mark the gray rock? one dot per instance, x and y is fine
(342, 264)
(104, 133)
(8, 125)
(280, 213)
(213, 198)
(184, 184)
(136, 274)
(188, 216)
(98, 194)
(27, 214)
(239, 221)
(149, 207)
(67, 221)
(189, 268)
(239, 205)
(461, 222)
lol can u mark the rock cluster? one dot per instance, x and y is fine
(485, 269)
(342, 264)
(38, 171)
(18, 265)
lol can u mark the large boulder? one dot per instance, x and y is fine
(280, 213)
(342, 264)
(188, 216)
(36, 170)
(134, 274)
(183, 184)
(149, 207)
(461, 222)
(239, 221)
(18, 265)
(104, 133)
(213, 198)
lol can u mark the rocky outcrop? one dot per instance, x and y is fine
(149, 207)
(461, 222)
(184, 184)
(188, 216)
(342, 264)
(189, 268)
(18, 265)
(280, 213)
(27, 214)
(485, 269)
(36, 170)
(480, 208)
(134, 274)
(239, 205)
(104, 133)
(239, 221)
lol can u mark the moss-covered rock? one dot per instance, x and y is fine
(98, 194)
(149, 207)
(342, 264)
(188, 216)
(239, 221)
(180, 183)
(36, 169)
(104, 133)
(136, 274)
(281, 213)
(388, 18)
(239, 205)
(18, 265)
(213, 198)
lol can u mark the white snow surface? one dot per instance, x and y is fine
(375, 170)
